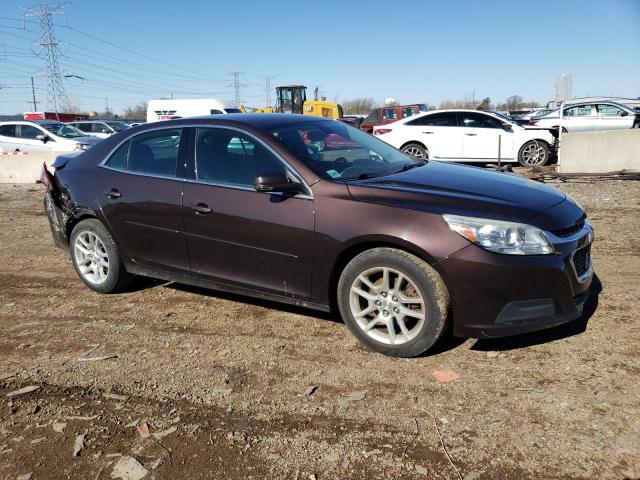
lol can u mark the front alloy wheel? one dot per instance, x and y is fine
(387, 305)
(533, 153)
(393, 302)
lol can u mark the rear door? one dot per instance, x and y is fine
(483, 135)
(581, 118)
(141, 197)
(440, 133)
(240, 236)
(612, 117)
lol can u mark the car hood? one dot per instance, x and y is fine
(440, 188)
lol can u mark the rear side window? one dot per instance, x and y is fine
(8, 130)
(216, 112)
(118, 159)
(444, 119)
(579, 111)
(155, 153)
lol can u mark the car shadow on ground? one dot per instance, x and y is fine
(560, 332)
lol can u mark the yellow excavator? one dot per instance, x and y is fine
(293, 99)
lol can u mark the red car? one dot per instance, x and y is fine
(384, 115)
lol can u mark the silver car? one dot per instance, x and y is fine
(589, 116)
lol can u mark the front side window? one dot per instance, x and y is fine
(231, 158)
(335, 151)
(155, 153)
(118, 126)
(8, 130)
(85, 127)
(389, 114)
(63, 130)
(579, 111)
(101, 128)
(478, 120)
(30, 132)
(606, 110)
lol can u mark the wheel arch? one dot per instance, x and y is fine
(77, 218)
(360, 245)
(414, 141)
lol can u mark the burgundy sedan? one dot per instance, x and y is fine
(313, 212)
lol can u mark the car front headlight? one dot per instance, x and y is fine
(508, 238)
(82, 146)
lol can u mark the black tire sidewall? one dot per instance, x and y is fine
(541, 143)
(434, 321)
(116, 270)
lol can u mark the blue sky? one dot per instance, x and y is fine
(414, 51)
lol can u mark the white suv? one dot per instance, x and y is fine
(467, 136)
(42, 136)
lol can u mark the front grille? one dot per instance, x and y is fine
(567, 232)
(582, 260)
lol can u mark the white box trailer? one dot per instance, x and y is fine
(158, 110)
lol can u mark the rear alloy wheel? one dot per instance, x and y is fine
(533, 153)
(96, 259)
(393, 302)
(415, 150)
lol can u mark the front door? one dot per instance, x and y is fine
(236, 234)
(141, 198)
(611, 117)
(28, 141)
(483, 135)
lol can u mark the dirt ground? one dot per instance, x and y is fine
(200, 384)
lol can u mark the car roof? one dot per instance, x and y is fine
(30, 122)
(258, 120)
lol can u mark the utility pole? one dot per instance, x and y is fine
(56, 95)
(33, 92)
(236, 86)
(473, 99)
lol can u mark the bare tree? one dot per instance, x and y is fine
(447, 104)
(485, 104)
(514, 102)
(138, 111)
(358, 106)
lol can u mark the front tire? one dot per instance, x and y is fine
(534, 153)
(416, 150)
(96, 258)
(393, 302)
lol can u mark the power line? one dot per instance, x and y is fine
(267, 89)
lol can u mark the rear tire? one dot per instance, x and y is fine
(393, 302)
(96, 258)
(534, 153)
(416, 150)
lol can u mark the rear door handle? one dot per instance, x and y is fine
(201, 208)
(113, 193)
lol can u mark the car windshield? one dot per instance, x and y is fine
(118, 126)
(62, 130)
(336, 151)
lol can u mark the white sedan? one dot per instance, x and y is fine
(467, 136)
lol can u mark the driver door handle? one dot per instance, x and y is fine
(113, 193)
(427, 132)
(471, 134)
(201, 208)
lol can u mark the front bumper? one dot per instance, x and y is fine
(495, 295)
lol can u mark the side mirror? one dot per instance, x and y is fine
(43, 138)
(276, 182)
(506, 126)
(624, 113)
